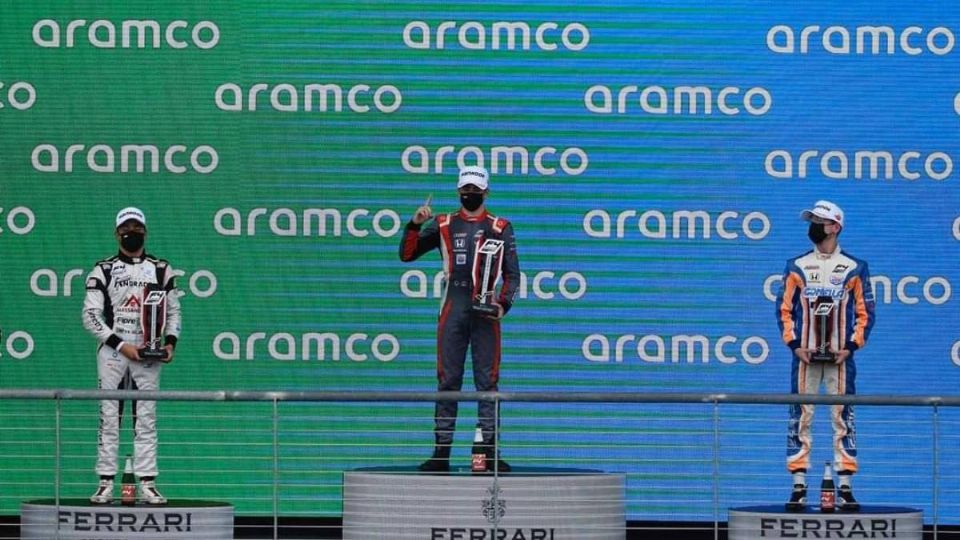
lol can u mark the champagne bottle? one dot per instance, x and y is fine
(828, 491)
(128, 489)
(478, 460)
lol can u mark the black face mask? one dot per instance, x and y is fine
(471, 201)
(132, 241)
(815, 233)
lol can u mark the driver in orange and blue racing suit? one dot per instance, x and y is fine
(841, 282)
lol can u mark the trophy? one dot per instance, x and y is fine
(153, 319)
(487, 266)
(824, 330)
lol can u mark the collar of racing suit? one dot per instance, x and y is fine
(822, 255)
(131, 260)
(480, 217)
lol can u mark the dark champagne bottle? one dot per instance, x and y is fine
(828, 491)
(478, 459)
(128, 487)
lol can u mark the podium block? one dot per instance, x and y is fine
(773, 522)
(79, 519)
(545, 504)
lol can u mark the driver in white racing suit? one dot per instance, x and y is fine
(112, 313)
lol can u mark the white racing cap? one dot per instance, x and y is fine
(129, 213)
(825, 210)
(477, 176)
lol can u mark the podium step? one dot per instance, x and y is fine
(79, 519)
(542, 503)
(773, 521)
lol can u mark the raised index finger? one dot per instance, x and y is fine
(429, 198)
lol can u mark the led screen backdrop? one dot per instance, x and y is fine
(653, 158)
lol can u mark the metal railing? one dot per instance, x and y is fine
(686, 456)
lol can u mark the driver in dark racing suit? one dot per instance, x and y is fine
(458, 236)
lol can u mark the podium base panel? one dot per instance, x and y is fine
(773, 521)
(544, 504)
(77, 519)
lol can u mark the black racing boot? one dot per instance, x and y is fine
(439, 461)
(798, 498)
(845, 500)
(495, 462)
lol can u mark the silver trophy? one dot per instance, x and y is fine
(153, 319)
(822, 317)
(487, 267)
